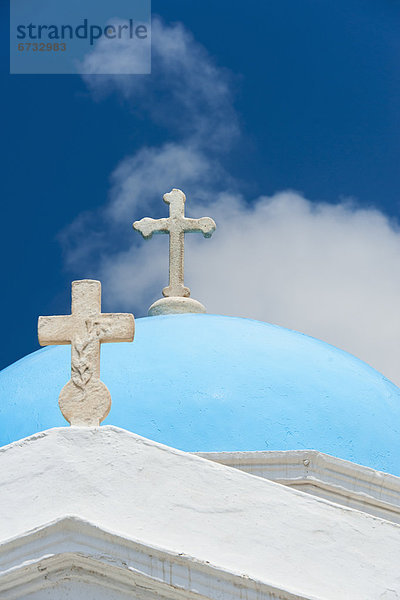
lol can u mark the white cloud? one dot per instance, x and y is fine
(143, 178)
(113, 57)
(189, 96)
(328, 271)
(186, 92)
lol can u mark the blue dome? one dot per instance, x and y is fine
(213, 383)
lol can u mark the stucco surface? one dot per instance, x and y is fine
(72, 590)
(187, 505)
(212, 383)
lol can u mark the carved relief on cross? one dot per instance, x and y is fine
(176, 225)
(85, 400)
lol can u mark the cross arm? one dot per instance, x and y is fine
(55, 330)
(116, 327)
(148, 226)
(205, 225)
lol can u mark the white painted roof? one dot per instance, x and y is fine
(207, 512)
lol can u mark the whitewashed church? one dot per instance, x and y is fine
(235, 459)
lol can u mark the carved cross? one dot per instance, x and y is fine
(85, 400)
(176, 226)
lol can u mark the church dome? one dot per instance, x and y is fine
(211, 383)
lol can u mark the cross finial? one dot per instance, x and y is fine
(85, 400)
(176, 295)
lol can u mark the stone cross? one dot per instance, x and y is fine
(176, 226)
(85, 400)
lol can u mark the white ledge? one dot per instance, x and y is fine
(325, 476)
(40, 559)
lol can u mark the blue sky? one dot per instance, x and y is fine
(309, 101)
